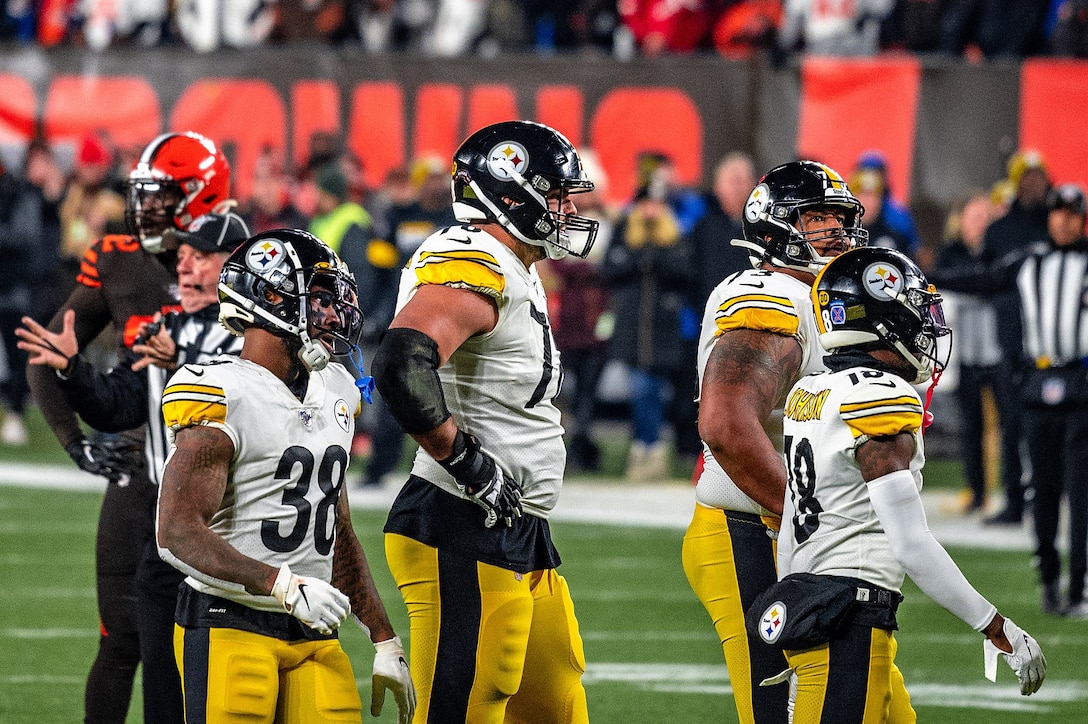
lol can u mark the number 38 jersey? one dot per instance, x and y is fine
(289, 460)
(498, 386)
(831, 526)
(765, 301)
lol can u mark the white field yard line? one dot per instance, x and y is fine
(714, 679)
(665, 505)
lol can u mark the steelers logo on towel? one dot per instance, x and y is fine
(772, 622)
(506, 157)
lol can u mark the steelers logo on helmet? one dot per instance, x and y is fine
(506, 157)
(266, 256)
(757, 202)
(883, 281)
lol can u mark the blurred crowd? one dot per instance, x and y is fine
(623, 28)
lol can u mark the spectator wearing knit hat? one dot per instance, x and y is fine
(90, 204)
(896, 215)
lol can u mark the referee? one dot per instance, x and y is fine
(1051, 281)
(1053, 288)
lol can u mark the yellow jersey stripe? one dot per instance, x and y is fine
(885, 416)
(198, 389)
(183, 412)
(477, 271)
(906, 401)
(884, 423)
(769, 314)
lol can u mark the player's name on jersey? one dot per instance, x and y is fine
(803, 405)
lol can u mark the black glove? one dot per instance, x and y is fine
(103, 454)
(484, 482)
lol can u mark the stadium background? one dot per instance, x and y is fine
(944, 127)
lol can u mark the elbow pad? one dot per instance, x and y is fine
(406, 372)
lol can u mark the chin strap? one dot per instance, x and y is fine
(927, 416)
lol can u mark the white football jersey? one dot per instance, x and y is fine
(499, 386)
(289, 461)
(832, 528)
(762, 300)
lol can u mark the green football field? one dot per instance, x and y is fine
(652, 654)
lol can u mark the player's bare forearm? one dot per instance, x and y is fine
(351, 575)
(192, 490)
(880, 456)
(747, 376)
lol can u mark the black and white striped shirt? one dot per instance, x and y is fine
(1053, 285)
(199, 337)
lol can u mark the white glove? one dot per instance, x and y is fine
(1026, 659)
(391, 672)
(316, 603)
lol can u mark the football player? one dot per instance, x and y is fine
(854, 456)
(127, 280)
(758, 337)
(470, 370)
(253, 506)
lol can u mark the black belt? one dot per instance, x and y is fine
(876, 606)
(877, 596)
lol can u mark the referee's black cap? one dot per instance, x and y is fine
(1067, 196)
(212, 232)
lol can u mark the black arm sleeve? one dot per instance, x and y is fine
(406, 373)
(110, 402)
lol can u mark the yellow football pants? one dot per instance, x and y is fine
(728, 562)
(488, 645)
(851, 680)
(232, 676)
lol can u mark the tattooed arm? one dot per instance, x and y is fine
(351, 574)
(747, 376)
(192, 489)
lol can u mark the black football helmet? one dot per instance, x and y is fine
(879, 295)
(505, 172)
(771, 215)
(290, 283)
(178, 177)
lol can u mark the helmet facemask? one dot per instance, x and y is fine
(540, 224)
(520, 174)
(150, 209)
(791, 247)
(332, 311)
(921, 349)
(314, 307)
(878, 298)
